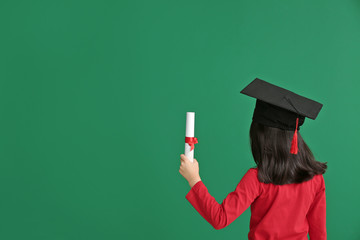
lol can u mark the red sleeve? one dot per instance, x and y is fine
(235, 203)
(317, 214)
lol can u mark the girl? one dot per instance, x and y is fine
(286, 190)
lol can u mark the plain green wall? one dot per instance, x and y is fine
(94, 94)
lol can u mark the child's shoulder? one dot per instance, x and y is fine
(319, 178)
(253, 170)
(251, 177)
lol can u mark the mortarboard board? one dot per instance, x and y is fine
(280, 108)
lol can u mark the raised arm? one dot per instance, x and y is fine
(235, 203)
(317, 215)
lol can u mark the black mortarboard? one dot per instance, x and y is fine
(280, 108)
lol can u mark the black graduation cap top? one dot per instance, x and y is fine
(279, 107)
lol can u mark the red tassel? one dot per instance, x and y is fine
(294, 142)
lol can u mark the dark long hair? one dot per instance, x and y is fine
(271, 151)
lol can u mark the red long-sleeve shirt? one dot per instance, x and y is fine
(289, 211)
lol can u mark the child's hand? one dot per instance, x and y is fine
(189, 170)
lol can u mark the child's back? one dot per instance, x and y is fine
(289, 211)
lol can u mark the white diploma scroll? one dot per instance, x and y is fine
(190, 129)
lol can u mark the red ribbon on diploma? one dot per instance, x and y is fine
(191, 141)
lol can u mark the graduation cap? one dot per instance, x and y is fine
(280, 108)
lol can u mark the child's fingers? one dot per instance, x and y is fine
(183, 157)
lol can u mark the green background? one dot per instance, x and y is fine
(94, 94)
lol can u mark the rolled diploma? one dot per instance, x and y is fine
(190, 126)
